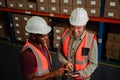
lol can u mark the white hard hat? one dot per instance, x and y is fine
(37, 25)
(79, 17)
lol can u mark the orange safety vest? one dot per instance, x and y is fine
(81, 61)
(42, 63)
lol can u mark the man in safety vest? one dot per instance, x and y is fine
(35, 59)
(78, 49)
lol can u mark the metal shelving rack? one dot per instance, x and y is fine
(101, 21)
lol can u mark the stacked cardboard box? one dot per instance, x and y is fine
(93, 7)
(57, 33)
(18, 27)
(48, 6)
(22, 4)
(112, 9)
(42, 6)
(113, 46)
(65, 7)
(54, 6)
(19, 22)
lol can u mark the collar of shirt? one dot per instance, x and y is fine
(81, 37)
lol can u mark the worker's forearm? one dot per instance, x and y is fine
(88, 70)
(44, 77)
(62, 58)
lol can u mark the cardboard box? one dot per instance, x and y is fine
(31, 6)
(19, 35)
(4, 30)
(112, 45)
(21, 0)
(112, 4)
(54, 9)
(11, 4)
(57, 37)
(2, 3)
(58, 30)
(16, 17)
(17, 25)
(66, 3)
(112, 13)
(93, 3)
(113, 54)
(56, 44)
(25, 35)
(25, 18)
(43, 8)
(42, 2)
(21, 5)
(54, 2)
(93, 12)
(113, 37)
(79, 3)
(65, 10)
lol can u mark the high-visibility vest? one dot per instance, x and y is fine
(81, 61)
(42, 63)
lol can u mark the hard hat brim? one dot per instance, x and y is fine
(47, 29)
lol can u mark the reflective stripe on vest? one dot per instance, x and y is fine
(65, 36)
(81, 61)
(42, 63)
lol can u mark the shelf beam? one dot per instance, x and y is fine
(97, 19)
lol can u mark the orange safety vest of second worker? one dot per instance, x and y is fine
(81, 61)
(42, 63)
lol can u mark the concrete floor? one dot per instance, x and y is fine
(10, 68)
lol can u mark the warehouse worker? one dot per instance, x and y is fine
(35, 58)
(78, 49)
